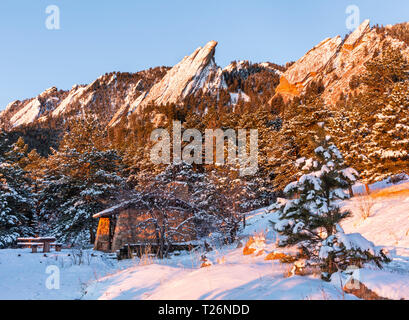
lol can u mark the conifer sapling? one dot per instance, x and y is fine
(310, 218)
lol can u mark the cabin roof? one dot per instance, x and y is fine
(146, 202)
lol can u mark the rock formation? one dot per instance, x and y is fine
(195, 72)
(335, 63)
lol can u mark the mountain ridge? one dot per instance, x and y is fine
(334, 62)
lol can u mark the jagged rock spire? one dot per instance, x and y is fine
(194, 72)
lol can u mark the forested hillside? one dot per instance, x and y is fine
(66, 155)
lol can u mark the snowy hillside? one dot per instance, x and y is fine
(235, 276)
(231, 275)
(388, 222)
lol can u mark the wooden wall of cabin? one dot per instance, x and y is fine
(103, 241)
(126, 231)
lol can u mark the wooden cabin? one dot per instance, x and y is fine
(141, 220)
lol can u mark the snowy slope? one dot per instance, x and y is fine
(235, 276)
(388, 224)
(232, 274)
(23, 274)
(247, 280)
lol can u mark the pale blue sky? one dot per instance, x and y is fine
(100, 36)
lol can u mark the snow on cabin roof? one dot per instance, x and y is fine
(147, 201)
(110, 211)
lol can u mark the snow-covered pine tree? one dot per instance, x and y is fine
(340, 251)
(80, 179)
(257, 189)
(365, 129)
(17, 202)
(310, 218)
(390, 136)
(301, 120)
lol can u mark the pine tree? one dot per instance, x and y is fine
(301, 121)
(80, 179)
(17, 202)
(366, 128)
(18, 153)
(389, 153)
(4, 143)
(384, 71)
(310, 218)
(258, 189)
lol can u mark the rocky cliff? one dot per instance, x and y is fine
(195, 72)
(114, 96)
(102, 98)
(335, 63)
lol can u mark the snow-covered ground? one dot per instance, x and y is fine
(388, 221)
(23, 275)
(231, 276)
(386, 226)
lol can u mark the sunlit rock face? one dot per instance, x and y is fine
(355, 37)
(24, 112)
(102, 98)
(314, 61)
(114, 96)
(335, 63)
(195, 72)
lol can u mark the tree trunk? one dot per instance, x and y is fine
(368, 191)
(92, 236)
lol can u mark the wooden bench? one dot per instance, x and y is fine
(32, 245)
(57, 246)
